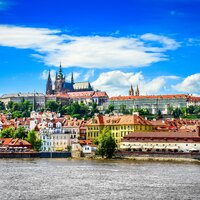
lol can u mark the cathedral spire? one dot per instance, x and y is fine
(60, 70)
(49, 89)
(60, 74)
(72, 78)
(137, 92)
(131, 91)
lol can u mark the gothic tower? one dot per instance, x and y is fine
(60, 81)
(49, 89)
(137, 92)
(72, 79)
(131, 91)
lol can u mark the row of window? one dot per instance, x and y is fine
(54, 143)
(115, 134)
(57, 137)
(157, 144)
(137, 127)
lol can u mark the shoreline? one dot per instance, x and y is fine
(143, 159)
(137, 158)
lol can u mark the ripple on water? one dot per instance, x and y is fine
(80, 179)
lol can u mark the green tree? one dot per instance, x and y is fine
(191, 109)
(69, 148)
(110, 109)
(8, 132)
(21, 109)
(106, 143)
(20, 133)
(52, 106)
(32, 139)
(197, 110)
(10, 105)
(159, 115)
(37, 144)
(17, 114)
(177, 112)
(93, 109)
(2, 106)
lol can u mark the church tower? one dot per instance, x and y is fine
(49, 89)
(131, 91)
(60, 81)
(137, 92)
(72, 79)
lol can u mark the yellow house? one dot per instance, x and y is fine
(118, 125)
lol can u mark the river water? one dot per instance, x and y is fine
(84, 179)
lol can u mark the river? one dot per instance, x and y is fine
(85, 179)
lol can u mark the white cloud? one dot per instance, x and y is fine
(88, 75)
(166, 42)
(190, 84)
(118, 83)
(53, 46)
(75, 74)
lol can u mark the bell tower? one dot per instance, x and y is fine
(131, 91)
(60, 80)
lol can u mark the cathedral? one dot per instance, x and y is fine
(61, 86)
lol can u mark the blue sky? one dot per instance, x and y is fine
(113, 44)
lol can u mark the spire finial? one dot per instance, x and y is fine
(60, 68)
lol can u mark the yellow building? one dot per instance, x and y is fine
(118, 125)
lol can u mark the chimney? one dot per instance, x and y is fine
(136, 113)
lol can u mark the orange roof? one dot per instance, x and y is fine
(19, 142)
(118, 120)
(168, 96)
(6, 141)
(100, 94)
(83, 142)
(86, 94)
(193, 99)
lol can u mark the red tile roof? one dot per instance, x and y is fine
(86, 94)
(100, 94)
(118, 120)
(171, 96)
(162, 135)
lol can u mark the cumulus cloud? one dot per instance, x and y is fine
(167, 43)
(190, 84)
(51, 46)
(118, 83)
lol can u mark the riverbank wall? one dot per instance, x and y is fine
(35, 155)
(158, 156)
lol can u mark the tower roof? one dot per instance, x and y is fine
(60, 74)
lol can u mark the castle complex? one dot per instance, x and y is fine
(61, 86)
